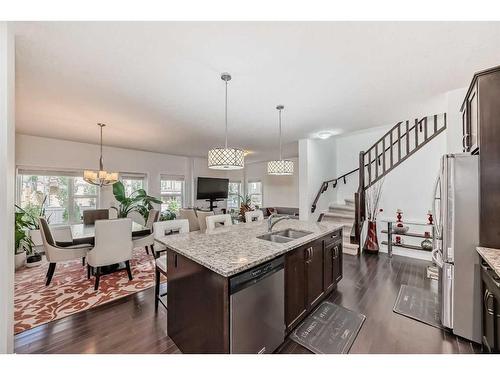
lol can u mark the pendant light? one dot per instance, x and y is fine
(226, 158)
(280, 167)
(100, 177)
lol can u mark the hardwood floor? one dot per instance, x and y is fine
(370, 286)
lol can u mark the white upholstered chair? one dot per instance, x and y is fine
(190, 215)
(55, 253)
(218, 219)
(148, 240)
(202, 219)
(256, 215)
(113, 244)
(162, 229)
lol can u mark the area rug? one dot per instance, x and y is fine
(418, 304)
(330, 329)
(70, 291)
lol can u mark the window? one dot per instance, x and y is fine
(233, 197)
(132, 183)
(255, 193)
(172, 193)
(67, 195)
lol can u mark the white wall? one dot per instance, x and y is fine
(317, 164)
(7, 126)
(278, 191)
(408, 187)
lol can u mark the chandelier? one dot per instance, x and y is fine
(226, 157)
(100, 177)
(280, 167)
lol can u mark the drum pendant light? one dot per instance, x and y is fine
(226, 158)
(280, 167)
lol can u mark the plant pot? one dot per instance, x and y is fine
(371, 242)
(33, 260)
(19, 259)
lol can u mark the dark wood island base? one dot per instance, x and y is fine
(198, 298)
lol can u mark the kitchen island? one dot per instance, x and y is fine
(208, 273)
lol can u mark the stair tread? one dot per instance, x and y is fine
(341, 207)
(339, 215)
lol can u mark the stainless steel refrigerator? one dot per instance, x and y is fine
(456, 213)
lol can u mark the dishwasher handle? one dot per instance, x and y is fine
(253, 276)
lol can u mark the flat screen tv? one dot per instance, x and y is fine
(212, 188)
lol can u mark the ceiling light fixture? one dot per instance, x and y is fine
(280, 167)
(100, 177)
(226, 158)
(325, 134)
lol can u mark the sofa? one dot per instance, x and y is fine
(292, 211)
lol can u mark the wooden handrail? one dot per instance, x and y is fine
(384, 169)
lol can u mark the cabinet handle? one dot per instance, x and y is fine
(309, 254)
(335, 252)
(486, 298)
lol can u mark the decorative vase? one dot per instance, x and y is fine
(427, 243)
(33, 260)
(371, 242)
(19, 259)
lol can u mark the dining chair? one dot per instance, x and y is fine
(212, 221)
(64, 237)
(161, 229)
(113, 245)
(190, 215)
(148, 240)
(256, 215)
(90, 216)
(55, 253)
(202, 219)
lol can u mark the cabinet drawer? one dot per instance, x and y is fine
(332, 238)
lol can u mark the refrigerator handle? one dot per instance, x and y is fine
(434, 198)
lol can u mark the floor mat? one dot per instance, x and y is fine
(330, 329)
(419, 304)
(70, 291)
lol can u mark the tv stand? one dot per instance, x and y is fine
(212, 205)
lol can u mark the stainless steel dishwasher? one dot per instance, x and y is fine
(257, 308)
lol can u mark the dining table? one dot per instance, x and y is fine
(86, 233)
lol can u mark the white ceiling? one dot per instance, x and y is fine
(157, 84)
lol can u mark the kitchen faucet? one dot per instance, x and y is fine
(271, 223)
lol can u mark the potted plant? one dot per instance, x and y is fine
(246, 205)
(171, 212)
(27, 235)
(139, 201)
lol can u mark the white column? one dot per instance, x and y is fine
(7, 171)
(304, 203)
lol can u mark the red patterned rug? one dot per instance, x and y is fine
(70, 291)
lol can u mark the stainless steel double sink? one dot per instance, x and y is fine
(285, 235)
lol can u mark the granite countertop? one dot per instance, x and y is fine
(492, 257)
(228, 251)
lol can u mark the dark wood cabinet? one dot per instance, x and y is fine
(470, 121)
(295, 287)
(314, 274)
(481, 134)
(332, 262)
(490, 310)
(311, 272)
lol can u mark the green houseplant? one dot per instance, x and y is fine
(139, 201)
(26, 221)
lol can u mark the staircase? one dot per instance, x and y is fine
(397, 145)
(343, 214)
